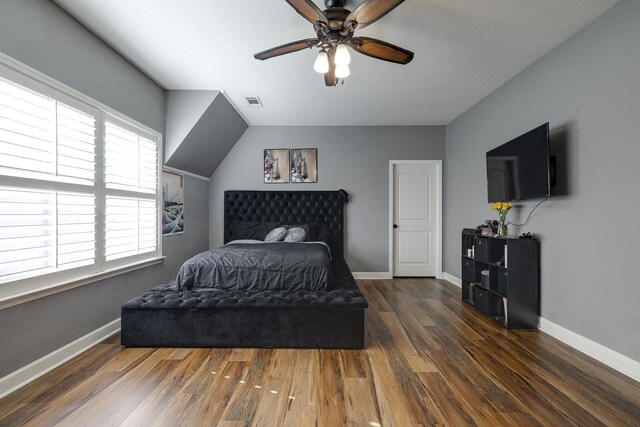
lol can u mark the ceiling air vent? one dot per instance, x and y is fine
(253, 101)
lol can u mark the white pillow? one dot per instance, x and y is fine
(295, 235)
(276, 235)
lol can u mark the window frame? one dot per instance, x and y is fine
(27, 289)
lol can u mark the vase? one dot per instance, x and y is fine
(503, 231)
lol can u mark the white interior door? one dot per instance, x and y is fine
(415, 219)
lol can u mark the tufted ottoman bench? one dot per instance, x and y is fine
(168, 317)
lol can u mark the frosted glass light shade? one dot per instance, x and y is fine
(342, 55)
(342, 71)
(322, 63)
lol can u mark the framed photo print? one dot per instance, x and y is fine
(304, 165)
(173, 203)
(276, 166)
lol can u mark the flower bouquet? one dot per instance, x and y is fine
(503, 209)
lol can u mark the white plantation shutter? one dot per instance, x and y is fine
(131, 227)
(76, 145)
(78, 187)
(131, 182)
(27, 131)
(76, 230)
(131, 161)
(44, 139)
(44, 231)
(27, 233)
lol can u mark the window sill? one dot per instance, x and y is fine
(20, 298)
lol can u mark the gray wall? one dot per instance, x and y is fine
(589, 90)
(41, 35)
(44, 37)
(184, 109)
(353, 158)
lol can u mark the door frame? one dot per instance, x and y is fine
(438, 164)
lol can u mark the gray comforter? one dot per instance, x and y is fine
(266, 266)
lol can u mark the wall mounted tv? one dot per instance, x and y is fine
(521, 168)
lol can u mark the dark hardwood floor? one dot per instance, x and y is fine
(430, 360)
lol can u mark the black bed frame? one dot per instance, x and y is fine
(333, 319)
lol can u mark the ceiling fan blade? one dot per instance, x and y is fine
(369, 12)
(330, 76)
(309, 10)
(285, 48)
(381, 50)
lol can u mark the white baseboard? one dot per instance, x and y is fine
(26, 374)
(452, 279)
(374, 275)
(609, 357)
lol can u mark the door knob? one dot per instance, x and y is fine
(395, 225)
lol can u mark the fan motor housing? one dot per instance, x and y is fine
(334, 3)
(336, 17)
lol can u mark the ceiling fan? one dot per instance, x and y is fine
(334, 28)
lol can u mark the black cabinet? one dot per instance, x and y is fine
(510, 294)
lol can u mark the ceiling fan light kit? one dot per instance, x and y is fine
(342, 71)
(334, 28)
(322, 63)
(342, 55)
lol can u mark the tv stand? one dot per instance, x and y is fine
(510, 293)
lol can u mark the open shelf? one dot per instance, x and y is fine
(510, 293)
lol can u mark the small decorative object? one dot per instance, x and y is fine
(503, 209)
(173, 206)
(485, 278)
(304, 165)
(487, 231)
(276, 169)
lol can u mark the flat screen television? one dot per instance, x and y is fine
(521, 168)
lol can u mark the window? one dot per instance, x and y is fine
(78, 186)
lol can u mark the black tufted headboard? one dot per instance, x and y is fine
(289, 207)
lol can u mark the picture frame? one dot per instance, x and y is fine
(276, 166)
(172, 203)
(304, 165)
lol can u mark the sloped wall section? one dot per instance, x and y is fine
(212, 135)
(184, 109)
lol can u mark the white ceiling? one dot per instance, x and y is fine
(464, 50)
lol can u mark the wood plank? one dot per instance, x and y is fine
(244, 402)
(147, 412)
(354, 363)
(275, 385)
(390, 397)
(301, 406)
(214, 400)
(121, 398)
(330, 388)
(359, 399)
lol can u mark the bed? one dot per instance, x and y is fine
(213, 311)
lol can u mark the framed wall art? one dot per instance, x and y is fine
(173, 203)
(276, 166)
(304, 165)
